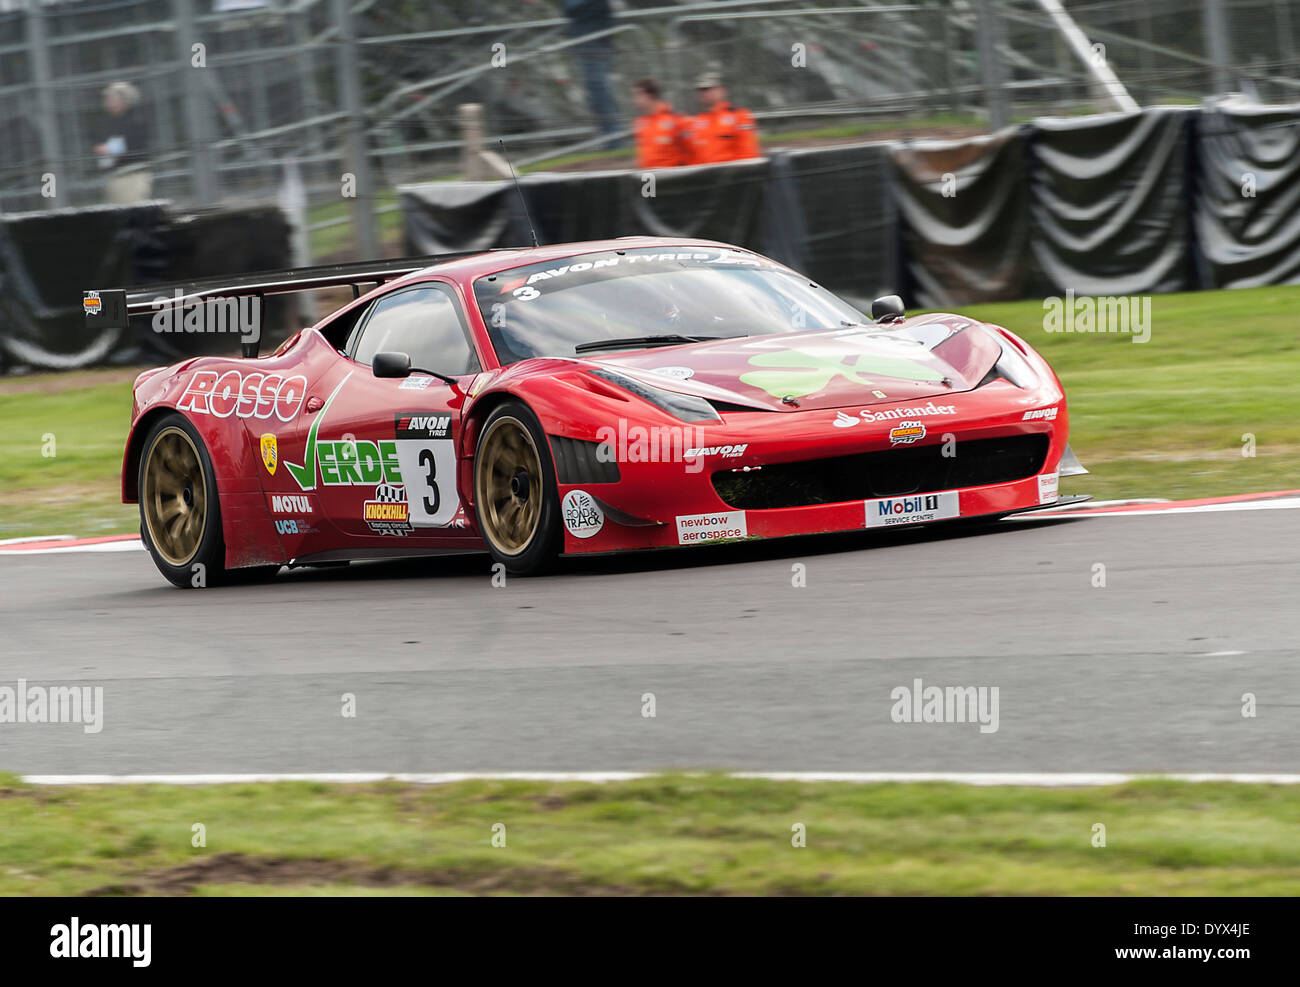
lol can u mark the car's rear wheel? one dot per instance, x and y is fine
(515, 495)
(180, 516)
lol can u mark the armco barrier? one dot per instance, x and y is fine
(1166, 199)
(48, 258)
(963, 216)
(1246, 211)
(723, 202)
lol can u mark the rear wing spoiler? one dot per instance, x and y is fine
(112, 308)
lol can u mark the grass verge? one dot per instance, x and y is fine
(667, 834)
(61, 442)
(1172, 416)
(1167, 418)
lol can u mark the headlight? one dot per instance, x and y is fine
(1011, 364)
(683, 406)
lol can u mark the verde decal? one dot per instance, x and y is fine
(798, 373)
(345, 461)
(306, 473)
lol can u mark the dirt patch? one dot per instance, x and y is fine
(67, 380)
(238, 868)
(65, 495)
(43, 795)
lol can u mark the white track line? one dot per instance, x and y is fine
(1093, 505)
(1037, 779)
(1132, 508)
(106, 546)
(1281, 504)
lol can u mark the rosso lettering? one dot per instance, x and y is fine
(255, 395)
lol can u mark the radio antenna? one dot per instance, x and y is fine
(520, 189)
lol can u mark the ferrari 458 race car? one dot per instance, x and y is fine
(589, 397)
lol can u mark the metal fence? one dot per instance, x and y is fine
(360, 95)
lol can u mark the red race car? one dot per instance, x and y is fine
(588, 397)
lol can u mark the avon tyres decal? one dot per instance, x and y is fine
(420, 426)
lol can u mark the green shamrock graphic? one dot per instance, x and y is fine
(807, 373)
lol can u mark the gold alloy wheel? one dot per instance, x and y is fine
(175, 496)
(508, 485)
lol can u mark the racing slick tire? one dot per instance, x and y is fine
(180, 512)
(516, 499)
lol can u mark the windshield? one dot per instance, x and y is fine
(627, 299)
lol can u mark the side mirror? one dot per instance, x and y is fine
(887, 308)
(391, 365)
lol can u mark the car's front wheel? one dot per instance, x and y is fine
(515, 495)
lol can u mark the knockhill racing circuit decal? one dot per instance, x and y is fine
(905, 433)
(388, 513)
(419, 462)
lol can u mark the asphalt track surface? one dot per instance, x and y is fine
(748, 671)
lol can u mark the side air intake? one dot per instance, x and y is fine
(576, 462)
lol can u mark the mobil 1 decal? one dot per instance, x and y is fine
(418, 464)
(428, 461)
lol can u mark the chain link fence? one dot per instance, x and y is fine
(241, 99)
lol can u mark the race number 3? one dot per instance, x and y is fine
(431, 498)
(429, 469)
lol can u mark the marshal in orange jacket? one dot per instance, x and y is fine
(661, 139)
(724, 133)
